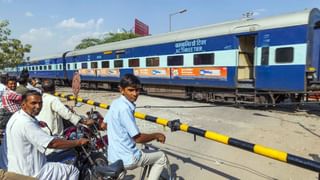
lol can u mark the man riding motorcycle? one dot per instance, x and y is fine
(54, 111)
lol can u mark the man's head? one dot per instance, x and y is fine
(48, 86)
(4, 78)
(11, 83)
(33, 81)
(130, 87)
(24, 76)
(31, 102)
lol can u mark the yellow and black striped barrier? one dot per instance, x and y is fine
(255, 148)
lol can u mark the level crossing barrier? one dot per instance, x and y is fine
(176, 125)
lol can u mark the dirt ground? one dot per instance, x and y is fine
(297, 133)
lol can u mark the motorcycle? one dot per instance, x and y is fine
(99, 142)
(90, 159)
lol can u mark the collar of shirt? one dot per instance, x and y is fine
(131, 104)
(26, 114)
(29, 85)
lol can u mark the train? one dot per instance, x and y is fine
(261, 61)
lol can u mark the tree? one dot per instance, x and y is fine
(11, 50)
(108, 38)
(87, 43)
(113, 37)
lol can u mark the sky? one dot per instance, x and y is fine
(56, 26)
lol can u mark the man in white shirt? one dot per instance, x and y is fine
(54, 111)
(27, 143)
(32, 85)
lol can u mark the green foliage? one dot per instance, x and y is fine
(108, 38)
(11, 50)
(87, 43)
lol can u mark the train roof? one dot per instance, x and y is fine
(238, 26)
(54, 56)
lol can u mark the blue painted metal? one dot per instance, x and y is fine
(282, 36)
(272, 37)
(125, 71)
(316, 52)
(280, 78)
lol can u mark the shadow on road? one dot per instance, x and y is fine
(292, 122)
(315, 157)
(188, 158)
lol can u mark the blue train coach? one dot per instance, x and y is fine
(246, 61)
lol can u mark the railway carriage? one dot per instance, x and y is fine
(244, 61)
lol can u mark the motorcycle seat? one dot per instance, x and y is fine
(112, 170)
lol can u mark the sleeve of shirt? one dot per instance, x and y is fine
(15, 97)
(37, 136)
(128, 121)
(64, 112)
(107, 116)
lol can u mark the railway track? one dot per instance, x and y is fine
(305, 109)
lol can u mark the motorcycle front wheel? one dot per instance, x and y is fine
(88, 170)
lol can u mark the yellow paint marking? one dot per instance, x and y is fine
(272, 153)
(217, 137)
(162, 121)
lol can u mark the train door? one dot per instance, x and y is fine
(64, 65)
(316, 50)
(246, 58)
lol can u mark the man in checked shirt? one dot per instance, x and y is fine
(10, 100)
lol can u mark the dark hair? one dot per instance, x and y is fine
(48, 85)
(4, 78)
(24, 76)
(11, 78)
(30, 93)
(129, 80)
(24, 73)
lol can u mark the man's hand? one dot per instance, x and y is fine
(88, 122)
(82, 141)
(103, 126)
(145, 138)
(161, 137)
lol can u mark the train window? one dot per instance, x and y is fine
(134, 63)
(203, 59)
(175, 60)
(284, 55)
(153, 61)
(32, 68)
(60, 66)
(84, 65)
(68, 66)
(94, 64)
(75, 66)
(265, 56)
(40, 67)
(45, 67)
(118, 63)
(49, 67)
(36, 68)
(105, 64)
(56, 66)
